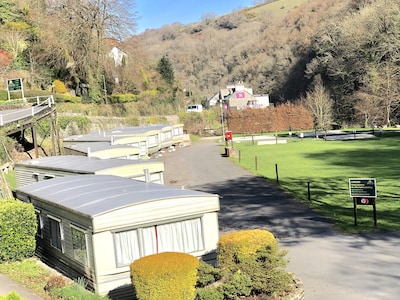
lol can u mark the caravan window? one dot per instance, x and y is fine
(39, 219)
(183, 236)
(56, 235)
(79, 244)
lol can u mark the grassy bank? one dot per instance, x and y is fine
(316, 172)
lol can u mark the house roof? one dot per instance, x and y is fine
(95, 195)
(83, 164)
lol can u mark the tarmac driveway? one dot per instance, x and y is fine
(331, 265)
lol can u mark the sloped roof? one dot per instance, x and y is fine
(94, 195)
(82, 164)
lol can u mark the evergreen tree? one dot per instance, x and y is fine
(166, 70)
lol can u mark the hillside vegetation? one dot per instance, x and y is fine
(338, 57)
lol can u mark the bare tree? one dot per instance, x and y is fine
(319, 102)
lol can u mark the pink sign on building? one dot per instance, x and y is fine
(240, 95)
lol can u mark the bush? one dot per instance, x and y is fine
(17, 230)
(12, 296)
(207, 274)
(59, 87)
(251, 263)
(209, 294)
(235, 247)
(165, 276)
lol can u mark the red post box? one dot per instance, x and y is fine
(228, 135)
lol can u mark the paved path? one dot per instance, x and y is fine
(331, 265)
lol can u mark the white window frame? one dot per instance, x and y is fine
(73, 227)
(61, 232)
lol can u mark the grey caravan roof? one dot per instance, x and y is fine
(100, 146)
(77, 163)
(94, 195)
(105, 136)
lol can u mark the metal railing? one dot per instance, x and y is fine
(38, 105)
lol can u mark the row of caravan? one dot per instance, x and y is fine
(132, 143)
(103, 208)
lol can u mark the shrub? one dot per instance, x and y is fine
(234, 247)
(207, 274)
(17, 230)
(252, 263)
(239, 285)
(12, 296)
(209, 294)
(165, 276)
(59, 87)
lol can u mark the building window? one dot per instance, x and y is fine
(39, 220)
(56, 235)
(183, 236)
(79, 244)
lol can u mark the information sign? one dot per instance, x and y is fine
(362, 187)
(14, 84)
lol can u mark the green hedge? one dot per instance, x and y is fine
(18, 226)
(165, 276)
(12, 296)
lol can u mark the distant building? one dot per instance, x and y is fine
(238, 97)
(118, 55)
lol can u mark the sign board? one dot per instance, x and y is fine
(362, 187)
(14, 84)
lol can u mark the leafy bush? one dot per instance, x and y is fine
(250, 263)
(165, 276)
(209, 294)
(12, 296)
(66, 98)
(122, 98)
(207, 274)
(59, 87)
(233, 248)
(17, 230)
(239, 285)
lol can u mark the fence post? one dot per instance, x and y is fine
(276, 172)
(256, 162)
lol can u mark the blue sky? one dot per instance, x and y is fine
(153, 14)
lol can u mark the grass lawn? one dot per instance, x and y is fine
(326, 166)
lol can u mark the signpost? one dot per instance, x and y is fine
(363, 191)
(15, 85)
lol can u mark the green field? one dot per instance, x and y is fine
(325, 167)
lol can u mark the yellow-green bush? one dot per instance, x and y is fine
(165, 276)
(59, 87)
(18, 226)
(12, 296)
(237, 246)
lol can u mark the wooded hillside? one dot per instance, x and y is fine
(340, 58)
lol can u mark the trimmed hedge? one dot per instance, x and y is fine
(235, 247)
(18, 227)
(165, 276)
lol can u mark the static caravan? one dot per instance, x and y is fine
(178, 135)
(157, 137)
(95, 226)
(103, 150)
(38, 169)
